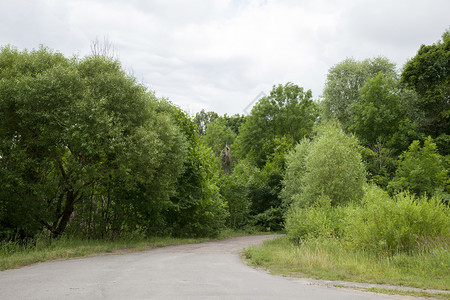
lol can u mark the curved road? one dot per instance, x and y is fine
(211, 270)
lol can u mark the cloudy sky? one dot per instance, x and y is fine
(220, 54)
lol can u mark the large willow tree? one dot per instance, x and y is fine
(82, 144)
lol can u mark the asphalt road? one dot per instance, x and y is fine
(210, 270)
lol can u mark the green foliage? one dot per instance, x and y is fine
(234, 122)
(317, 220)
(344, 81)
(321, 175)
(378, 112)
(287, 111)
(421, 170)
(218, 134)
(332, 167)
(82, 145)
(380, 163)
(203, 118)
(294, 173)
(266, 188)
(269, 220)
(235, 189)
(402, 223)
(197, 208)
(428, 74)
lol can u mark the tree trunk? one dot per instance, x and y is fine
(66, 214)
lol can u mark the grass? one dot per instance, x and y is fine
(422, 294)
(15, 255)
(329, 259)
(41, 249)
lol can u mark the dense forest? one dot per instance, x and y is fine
(86, 150)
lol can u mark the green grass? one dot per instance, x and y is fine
(15, 254)
(329, 259)
(422, 294)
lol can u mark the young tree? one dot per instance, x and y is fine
(294, 173)
(197, 208)
(421, 170)
(330, 166)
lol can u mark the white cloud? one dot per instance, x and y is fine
(219, 54)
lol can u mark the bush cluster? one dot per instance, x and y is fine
(399, 223)
(363, 216)
(318, 220)
(381, 223)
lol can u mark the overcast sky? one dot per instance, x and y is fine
(220, 54)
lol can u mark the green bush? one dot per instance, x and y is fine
(295, 170)
(421, 170)
(330, 165)
(269, 220)
(402, 223)
(319, 220)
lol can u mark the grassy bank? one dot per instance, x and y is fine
(14, 255)
(329, 259)
(40, 249)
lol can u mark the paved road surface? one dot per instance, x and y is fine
(210, 270)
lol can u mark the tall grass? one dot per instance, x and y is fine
(328, 258)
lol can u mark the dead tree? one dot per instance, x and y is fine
(225, 160)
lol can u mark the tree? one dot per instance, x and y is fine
(294, 173)
(218, 135)
(421, 170)
(428, 74)
(197, 208)
(234, 122)
(235, 189)
(380, 163)
(287, 111)
(81, 141)
(377, 115)
(344, 82)
(203, 118)
(329, 166)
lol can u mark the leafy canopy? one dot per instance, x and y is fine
(287, 111)
(330, 166)
(421, 170)
(344, 81)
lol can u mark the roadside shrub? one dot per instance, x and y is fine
(398, 224)
(270, 219)
(318, 220)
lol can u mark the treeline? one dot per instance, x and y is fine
(86, 150)
(368, 163)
